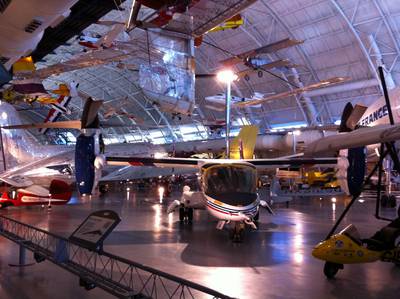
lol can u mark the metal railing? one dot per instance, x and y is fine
(116, 275)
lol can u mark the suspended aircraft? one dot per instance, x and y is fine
(23, 25)
(220, 99)
(204, 15)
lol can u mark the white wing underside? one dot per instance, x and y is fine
(21, 175)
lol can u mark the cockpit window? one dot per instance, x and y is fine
(352, 232)
(230, 178)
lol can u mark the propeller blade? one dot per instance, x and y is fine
(89, 115)
(355, 116)
(347, 110)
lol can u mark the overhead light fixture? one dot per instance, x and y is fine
(226, 76)
(297, 132)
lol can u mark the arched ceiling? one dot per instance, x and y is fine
(341, 38)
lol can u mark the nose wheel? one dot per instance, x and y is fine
(185, 215)
(331, 269)
(237, 233)
(388, 201)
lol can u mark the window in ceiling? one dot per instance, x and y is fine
(133, 138)
(241, 121)
(288, 126)
(157, 137)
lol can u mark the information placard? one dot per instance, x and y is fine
(96, 227)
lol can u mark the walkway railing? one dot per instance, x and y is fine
(116, 275)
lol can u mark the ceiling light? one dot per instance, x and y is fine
(226, 76)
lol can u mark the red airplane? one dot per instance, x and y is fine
(59, 193)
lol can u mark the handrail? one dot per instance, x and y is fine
(114, 274)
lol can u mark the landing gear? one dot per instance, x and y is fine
(237, 233)
(185, 214)
(257, 217)
(330, 269)
(392, 201)
(103, 189)
(388, 201)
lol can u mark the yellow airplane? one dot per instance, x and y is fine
(322, 179)
(232, 23)
(25, 88)
(347, 247)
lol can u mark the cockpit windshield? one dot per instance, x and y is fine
(229, 180)
(352, 232)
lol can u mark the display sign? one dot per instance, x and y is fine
(96, 227)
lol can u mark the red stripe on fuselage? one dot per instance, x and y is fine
(136, 163)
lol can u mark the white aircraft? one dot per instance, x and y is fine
(23, 23)
(220, 99)
(362, 126)
(228, 186)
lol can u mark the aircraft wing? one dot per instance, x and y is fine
(318, 85)
(268, 66)
(158, 162)
(89, 59)
(357, 138)
(207, 14)
(143, 172)
(216, 13)
(270, 48)
(196, 163)
(20, 176)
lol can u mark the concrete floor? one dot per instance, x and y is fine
(273, 262)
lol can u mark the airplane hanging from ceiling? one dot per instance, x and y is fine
(31, 90)
(256, 102)
(220, 99)
(202, 16)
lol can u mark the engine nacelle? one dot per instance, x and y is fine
(351, 170)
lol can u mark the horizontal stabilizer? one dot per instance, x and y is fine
(89, 114)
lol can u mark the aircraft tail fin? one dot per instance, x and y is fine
(242, 146)
(18, 146)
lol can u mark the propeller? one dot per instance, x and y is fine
(89, 147)
(351, 116)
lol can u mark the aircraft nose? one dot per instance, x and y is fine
(319, 251)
